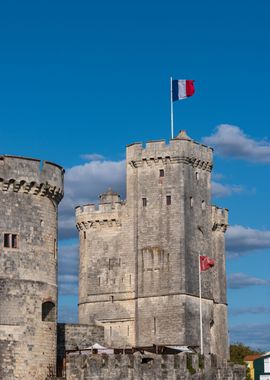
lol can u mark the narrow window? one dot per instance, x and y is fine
(54, 248)
(99, 281)
(128, 330)
(161, 173)
(110, 331)
(197, 176)
(191, 201)
(203, 205)
(6, 241)
(84, 234)
(112, 298)
(155, 326)
(168, 200)
(144, 202)
(14, 241)
(48, 312)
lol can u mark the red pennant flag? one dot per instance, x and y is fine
(206, 263)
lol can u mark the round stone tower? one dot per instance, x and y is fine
(30, 191)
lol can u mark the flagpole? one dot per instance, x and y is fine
(200, 296)
(171, 108)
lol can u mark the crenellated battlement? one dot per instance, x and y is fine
(99, 216)
(219, 219)
(180, 149)
(31, 176)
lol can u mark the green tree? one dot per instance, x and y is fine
(238, 351)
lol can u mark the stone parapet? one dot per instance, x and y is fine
(31, 176)
(102, 216)
(219, 218)
(150, 366)
(178, 150)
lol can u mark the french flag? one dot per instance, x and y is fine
(182, 89)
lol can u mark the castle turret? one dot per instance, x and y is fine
(30, 191)
(166, 223)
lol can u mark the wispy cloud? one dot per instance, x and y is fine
(242, 280)
(254, 335)
(83, 184)
(221, 191)
(249, 310)
(68, 258)
(243, 240)
(230, 141)
(68, 314)
(92, 157)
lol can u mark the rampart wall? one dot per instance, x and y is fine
(150, 367)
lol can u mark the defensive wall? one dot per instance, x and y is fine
(150, 367)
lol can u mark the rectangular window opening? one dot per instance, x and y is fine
(11, 241)
(144, 202)
(6, 241)
(161, 173)
(14, 241)
(168, 200)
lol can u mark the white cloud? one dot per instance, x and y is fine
(242, 240)
(83, 184)
(92, 157)
(231, 141)
(242, 280)
(221, 191)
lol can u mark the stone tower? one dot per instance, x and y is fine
(30, 191)
(139, 259)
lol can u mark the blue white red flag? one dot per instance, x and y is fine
(182, 89)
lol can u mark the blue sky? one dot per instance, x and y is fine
(80, 80)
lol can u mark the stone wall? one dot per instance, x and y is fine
(30, 191)
(150, 367)
(73, 337)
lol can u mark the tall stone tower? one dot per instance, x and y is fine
(155, 239)
(29, 195)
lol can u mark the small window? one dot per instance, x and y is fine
(6, 241)
(155, 325)
(144, 202)
(48, 312)
(11, 241)
(112, 298)
(84, 234)
(161, 173)
(168, 200)
(203, 205)
(197, 176)
(128, 330)
(191, 201)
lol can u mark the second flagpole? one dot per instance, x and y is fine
(200, 296)
(171, 107)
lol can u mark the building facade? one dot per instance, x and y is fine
(139, 258)
(30, 191)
